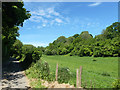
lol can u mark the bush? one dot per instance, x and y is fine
(51, 76)
(39, 70)
(28, 49)
(30, 57)
(63, 75)
(42, 69)
(36, 55)
(105, 74)
(27, 61)
(116, 84)
(94, 60)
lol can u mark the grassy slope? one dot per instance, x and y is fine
(92, 70)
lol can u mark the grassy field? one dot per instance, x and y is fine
(101, 72)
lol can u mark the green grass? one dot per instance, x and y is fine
(101, 72)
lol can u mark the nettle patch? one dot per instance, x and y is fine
(64, 75)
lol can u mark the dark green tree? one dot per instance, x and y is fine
(13, 15)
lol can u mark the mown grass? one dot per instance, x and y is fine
(101, 71)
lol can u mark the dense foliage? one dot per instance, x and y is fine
(63, 75)
(116, 84)
(25, 53)
(40, 70)
(103, 45)
(16, 48)
(13, 15)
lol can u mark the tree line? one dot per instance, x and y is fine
(103, 45)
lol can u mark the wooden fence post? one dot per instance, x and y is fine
(94, 83)
(91, 84)
(86, 84)
(77, 80)
(57, 72)
(80, 76)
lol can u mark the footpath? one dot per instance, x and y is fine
(13, 76)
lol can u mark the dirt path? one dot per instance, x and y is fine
(13, 76)
(56, 84)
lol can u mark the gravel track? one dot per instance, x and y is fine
(13, 76)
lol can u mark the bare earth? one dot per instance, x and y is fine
(13, 76)
(56, 85)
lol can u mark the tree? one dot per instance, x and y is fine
(31, 54)
(112, 31)
(16, 49)
(61, 39)
(76, 35)
(27, 48)
(13, 15)
(41, 49)
(85, 35)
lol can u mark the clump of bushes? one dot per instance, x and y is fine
(43, 69)
(31, 54)
(64, 75)
(39, 70)
(36, 55)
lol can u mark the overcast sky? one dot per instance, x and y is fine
(51, 20)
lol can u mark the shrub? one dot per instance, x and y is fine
(39, 70)
(28, 49)
(27, 61)
(116, 84)
(51, 76)
(42, 69)
(30, 57)
(36, 55)
(63, 75)
(94, 60)
(105, 74)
